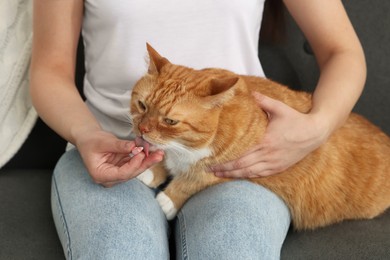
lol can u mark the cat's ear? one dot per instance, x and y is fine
(222, 90)
(156, 61)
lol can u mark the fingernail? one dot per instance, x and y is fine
(218, 174)
(136, 150)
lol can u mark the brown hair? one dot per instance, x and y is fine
(273, 25)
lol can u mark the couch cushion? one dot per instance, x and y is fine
(41, 150)
(27, 229)
(357, 239)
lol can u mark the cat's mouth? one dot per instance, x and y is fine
(148, 147)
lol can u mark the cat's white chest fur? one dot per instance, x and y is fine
(178, 158)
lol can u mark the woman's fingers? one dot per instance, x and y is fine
(254, 163)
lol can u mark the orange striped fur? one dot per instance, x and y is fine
(206, 117)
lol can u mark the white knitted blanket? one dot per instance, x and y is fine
(17, 116)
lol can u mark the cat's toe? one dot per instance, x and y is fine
(146, 177)
(167, 205)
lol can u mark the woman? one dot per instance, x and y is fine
(227, 221)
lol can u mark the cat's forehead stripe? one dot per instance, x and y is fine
(173, 85)
(169, 90)
(189, 78)
(198, 129)
(178, 73)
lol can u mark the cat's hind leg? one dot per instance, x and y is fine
(181, 188)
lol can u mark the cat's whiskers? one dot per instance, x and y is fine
(128, 119)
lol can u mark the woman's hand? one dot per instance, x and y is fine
(289, 137)
(108, 159)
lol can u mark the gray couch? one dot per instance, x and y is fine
(26, 227)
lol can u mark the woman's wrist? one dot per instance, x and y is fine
(325, 124)
(79, 132)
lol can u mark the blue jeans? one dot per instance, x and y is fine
(234, 220)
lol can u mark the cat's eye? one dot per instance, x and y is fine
(141, 105)
(169, 121)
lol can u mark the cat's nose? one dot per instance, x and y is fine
(143, 129)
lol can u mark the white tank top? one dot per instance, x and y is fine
(194, 33)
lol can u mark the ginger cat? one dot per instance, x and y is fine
(205, 117)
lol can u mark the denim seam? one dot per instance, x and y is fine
(183, 237)
(64, 224)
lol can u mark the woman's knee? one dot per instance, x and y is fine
(233, 219)
(93, 222)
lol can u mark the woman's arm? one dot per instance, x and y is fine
(339, 55)
(56, 27)
(291, 135)
(54, 94)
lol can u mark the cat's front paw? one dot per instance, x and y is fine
(147, 178)
(166, 205)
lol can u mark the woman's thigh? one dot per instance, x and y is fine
(233, 220)
(93, 222)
